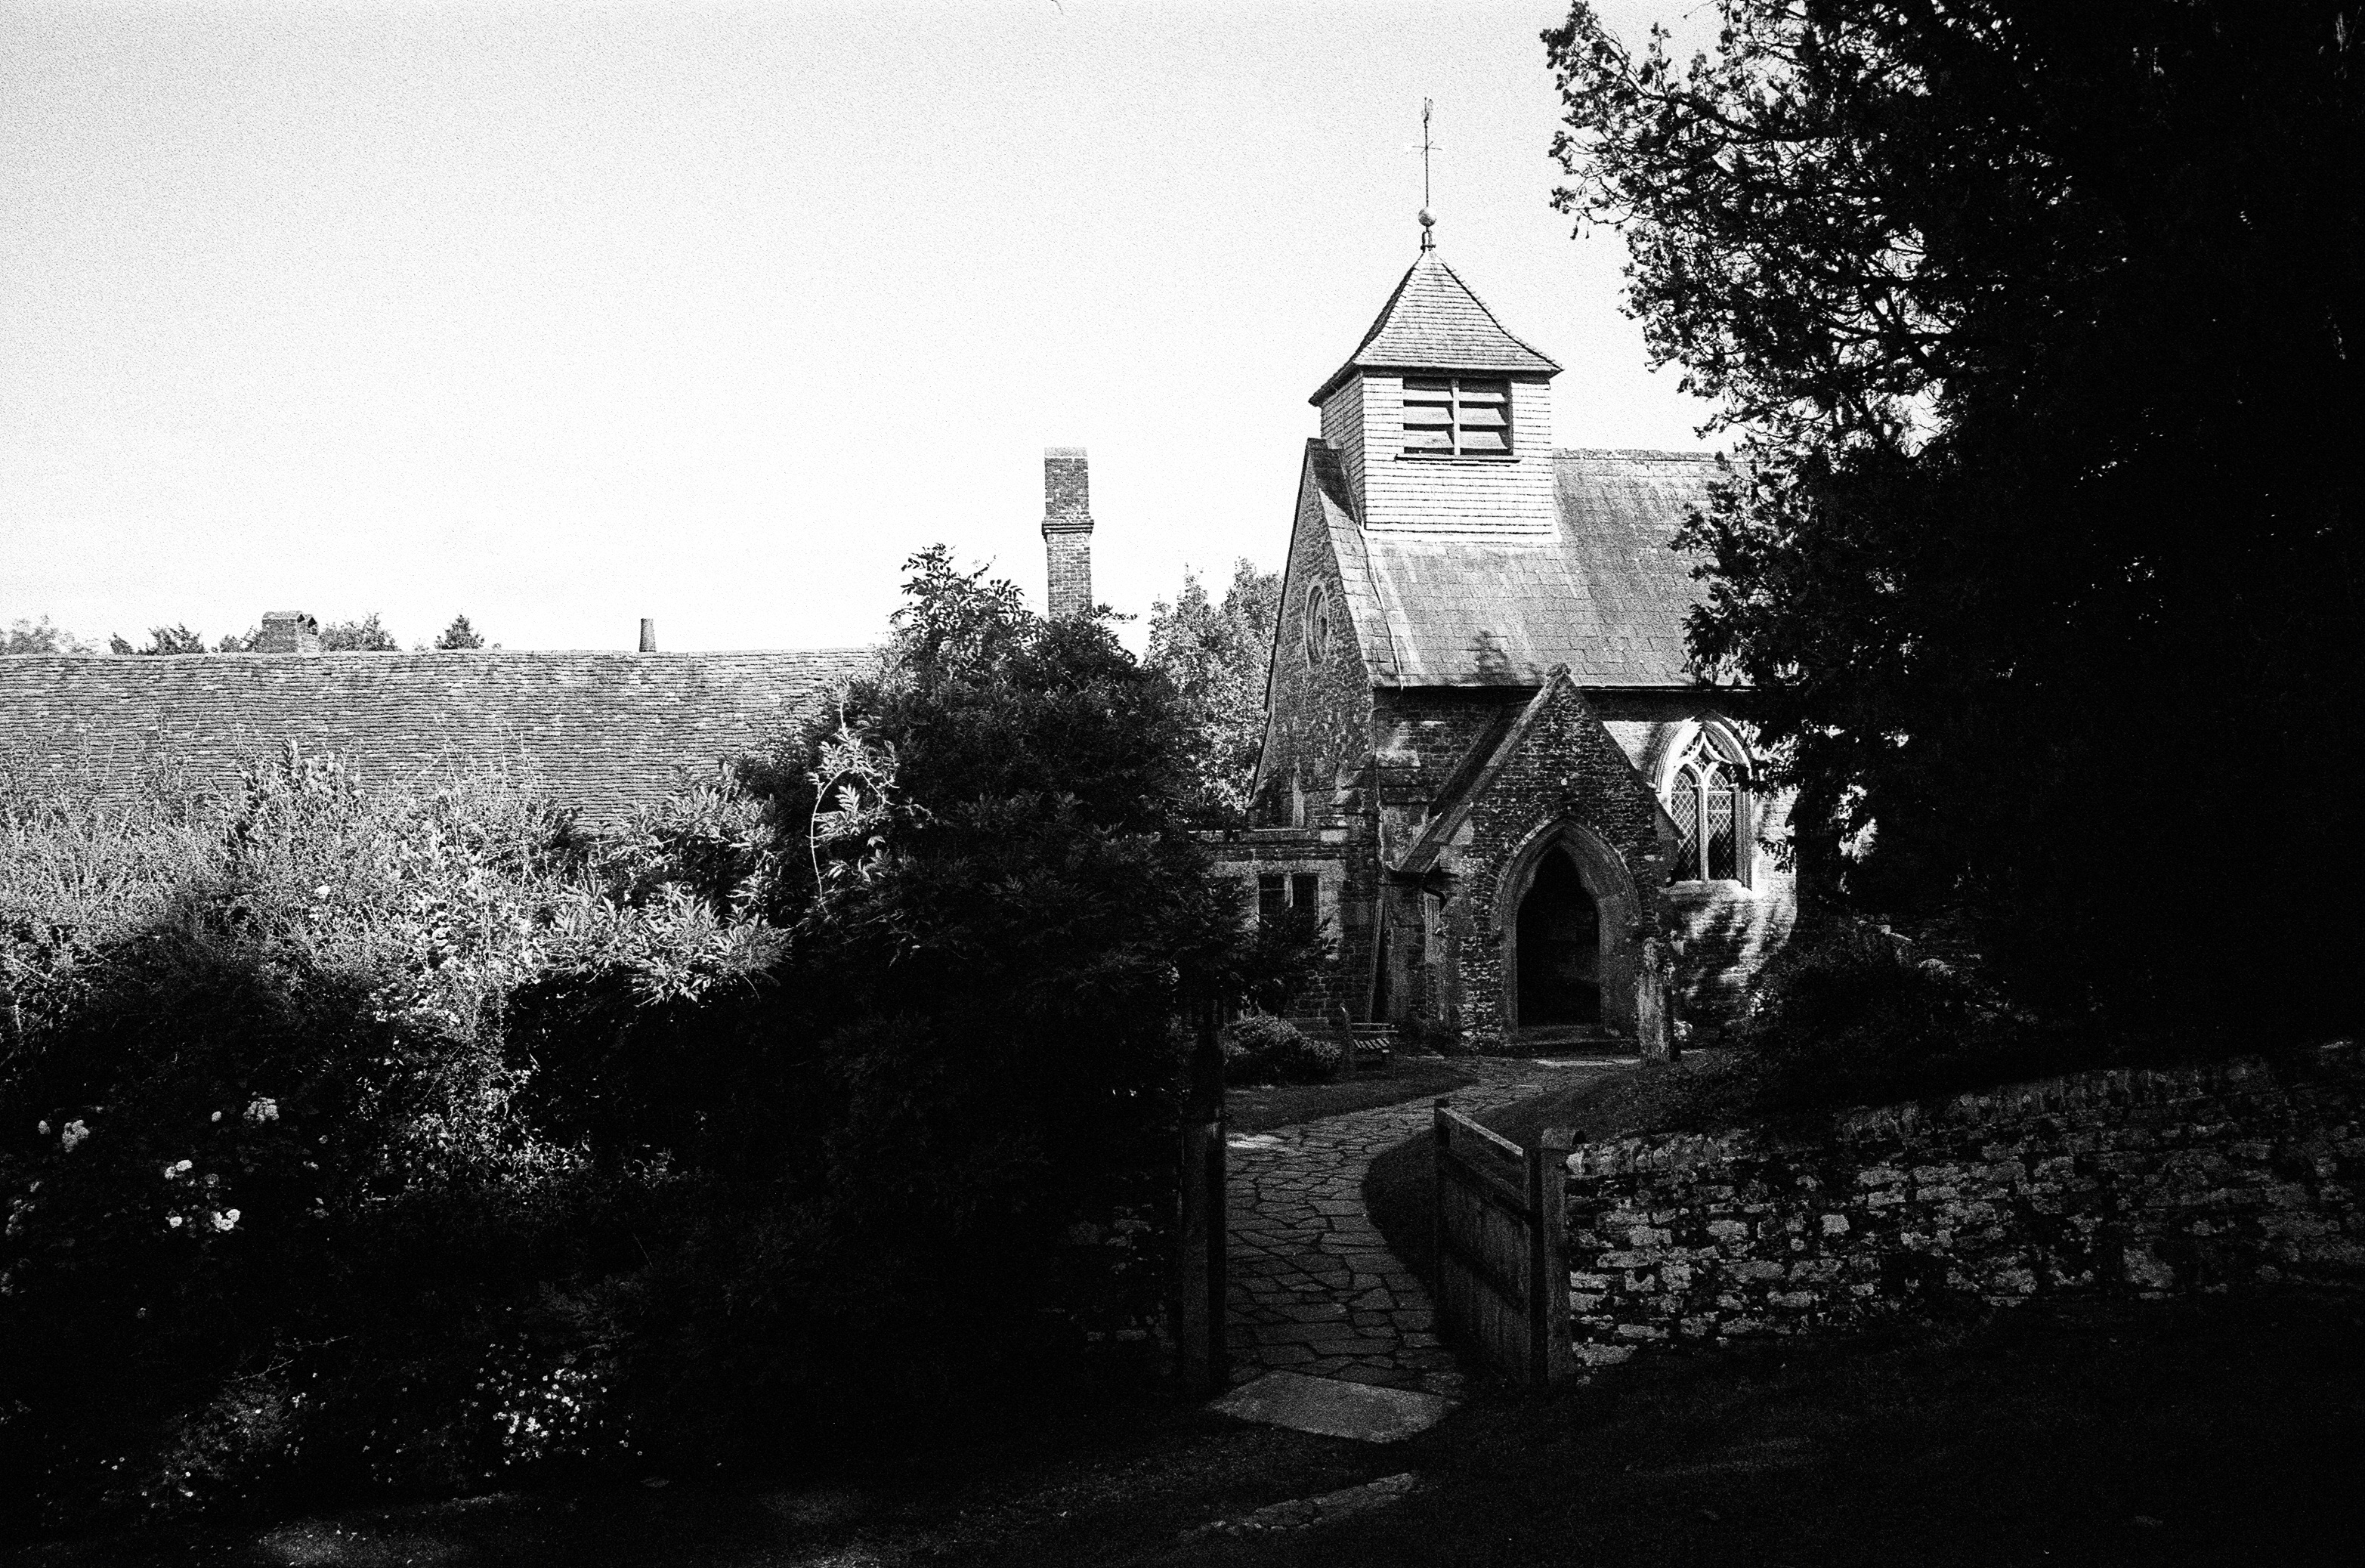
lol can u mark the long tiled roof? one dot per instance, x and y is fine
(1433, 321)
(605, 732)
(1608, 596)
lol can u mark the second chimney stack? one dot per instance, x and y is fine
(1068, 531)
(648, 636)
(288, 631)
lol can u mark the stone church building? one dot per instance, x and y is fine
(1485, 762)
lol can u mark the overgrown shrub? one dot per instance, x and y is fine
(1855, 1014)
(258, 1142)
(1263, 1049)
(413, 1140)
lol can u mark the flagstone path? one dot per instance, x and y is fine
(1314, 1289)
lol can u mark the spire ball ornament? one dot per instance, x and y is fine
(1427, 240)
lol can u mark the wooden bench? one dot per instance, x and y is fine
(1371, 1047)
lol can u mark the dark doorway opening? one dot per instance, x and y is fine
(1559, 948)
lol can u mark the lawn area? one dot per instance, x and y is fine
(2211, 1431)
(1257, 1107)
(2215, 1429)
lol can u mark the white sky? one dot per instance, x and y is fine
(566, 315)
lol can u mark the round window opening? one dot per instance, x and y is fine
(1318, 631)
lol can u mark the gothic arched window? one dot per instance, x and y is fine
(1708, 794)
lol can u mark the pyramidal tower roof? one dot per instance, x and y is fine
(1433, 321)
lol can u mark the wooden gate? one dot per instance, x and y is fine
(1200, 1286)
(1501, 1246)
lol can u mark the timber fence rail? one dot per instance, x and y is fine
(1501, 1246)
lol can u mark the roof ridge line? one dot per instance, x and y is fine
(1643, 453)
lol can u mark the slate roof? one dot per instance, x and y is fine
(604, 730)
(1433, 321)
(1607, 597)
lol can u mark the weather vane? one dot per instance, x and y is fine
(1427, 240)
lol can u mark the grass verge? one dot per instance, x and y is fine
(2205, 1430)
(1257, 1107)
(2208, 1431)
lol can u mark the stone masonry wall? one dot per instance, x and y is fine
(1319, 713)
(1336, 857)
(1726, 930)
(2139, 1182)
(1568, 770)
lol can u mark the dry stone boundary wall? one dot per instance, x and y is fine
(2137, 1181)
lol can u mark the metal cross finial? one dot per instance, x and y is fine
(1427, 240)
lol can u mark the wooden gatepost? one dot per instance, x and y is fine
(1501, 1245)
(1202, 1351)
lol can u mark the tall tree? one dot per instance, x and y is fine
(458, 635)
(1215, 655)
(2039, 325)
(40, 637)
(162, 640)
(362, 636)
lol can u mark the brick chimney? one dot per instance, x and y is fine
(1067, 530)
(288, 631)
(648, 636)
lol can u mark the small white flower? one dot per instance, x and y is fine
(261, 1111)
(76, 1131)
(173, 1220)
(226, 1219)
(321, 891)
(42, 1128)
(216, 1116)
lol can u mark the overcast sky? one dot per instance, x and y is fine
(566, 315)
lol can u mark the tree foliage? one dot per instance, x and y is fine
(362, 636)
(1216, 654)
(40, 637)
(358, 1140)
(162, 640)
(458, 635)
(2038, 324)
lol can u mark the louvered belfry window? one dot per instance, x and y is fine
(1707, 796)
(1456, 415)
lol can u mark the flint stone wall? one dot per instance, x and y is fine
(2137, 1181)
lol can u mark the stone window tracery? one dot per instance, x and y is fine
(1707, 796)
(1321, 629)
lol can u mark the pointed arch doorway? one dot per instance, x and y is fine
(1558, 943)
(1568, 916)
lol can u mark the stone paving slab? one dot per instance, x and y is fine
(1314, 1288)
(1332, 1408)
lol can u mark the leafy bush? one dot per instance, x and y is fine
(259, 1139)
(1854, 1014)
(1262, 1049)
(1430, 1031)
(414, 1141)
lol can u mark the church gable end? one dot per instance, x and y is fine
(1328, 636)
(1557, 784)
